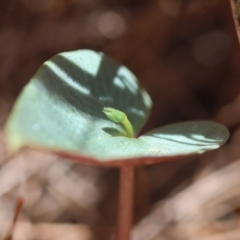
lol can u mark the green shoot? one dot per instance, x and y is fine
(119, 117)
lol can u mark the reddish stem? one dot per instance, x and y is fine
(17, 210)
(125, 205)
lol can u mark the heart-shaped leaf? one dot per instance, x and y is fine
(61, 110)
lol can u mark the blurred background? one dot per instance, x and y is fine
(186, 54)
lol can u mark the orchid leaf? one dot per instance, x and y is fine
(61, 110)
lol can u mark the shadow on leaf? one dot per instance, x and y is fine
(114, 132)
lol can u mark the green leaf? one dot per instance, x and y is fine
(186, 138)
(61, 107)
(61, 110)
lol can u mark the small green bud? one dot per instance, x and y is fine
(119, 117)
(114, 115)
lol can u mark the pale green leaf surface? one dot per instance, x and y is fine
(61, 110)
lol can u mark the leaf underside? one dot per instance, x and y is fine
(61, 110)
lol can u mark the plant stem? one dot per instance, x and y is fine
(128, 127)
(141, 193)
(125, 205)
(18, 207)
